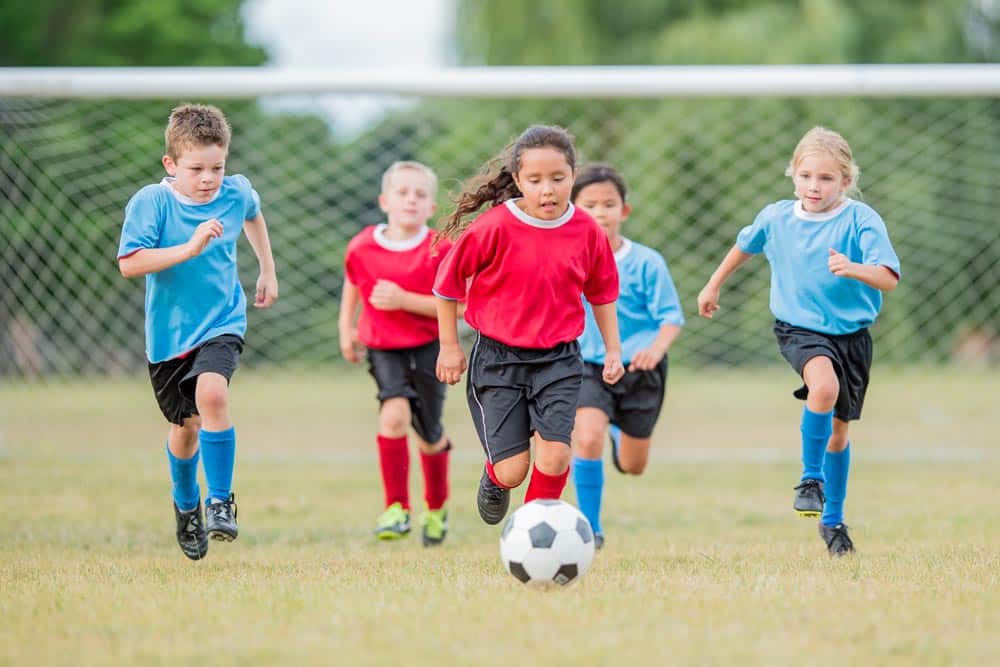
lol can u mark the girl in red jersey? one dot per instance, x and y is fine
(389, 271)
(521, 267)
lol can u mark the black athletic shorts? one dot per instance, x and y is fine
(851, 355)
(515, 391)
(410, 373)
(174, 380)
(633, 403)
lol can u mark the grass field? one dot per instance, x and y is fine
(705, 561)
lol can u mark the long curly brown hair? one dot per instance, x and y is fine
(495, 182)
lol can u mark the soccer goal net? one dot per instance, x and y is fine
(702, 149)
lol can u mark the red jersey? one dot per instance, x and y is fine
(371, 257)
(528, 275)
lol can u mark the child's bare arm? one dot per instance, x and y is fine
(708, 298)
(607, 322)
(387, 295)
(350, 299)
(451, 359)
(267, 282)
(154, 260)
(880, 277)
(648, 359)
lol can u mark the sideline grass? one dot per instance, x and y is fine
(705, 562)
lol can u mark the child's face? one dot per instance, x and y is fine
(819, 185)
(197, 171)
(408, 202)
(546, 180)
(604, 203)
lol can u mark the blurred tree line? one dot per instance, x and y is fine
(691, 222)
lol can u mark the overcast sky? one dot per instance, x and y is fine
(352, 33)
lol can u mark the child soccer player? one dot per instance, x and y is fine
(389, 274)
(650, 319)
(181, 234)
(830, 259)
(522, 266)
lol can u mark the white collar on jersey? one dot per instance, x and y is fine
(168, 182)
(624, 250)
(399, 246)
(538, 222)
(803, 214)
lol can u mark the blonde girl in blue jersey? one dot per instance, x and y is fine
(650, 319)
(831, 260)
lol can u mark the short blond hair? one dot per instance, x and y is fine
(415, 166)
(193, 125)
(820, 140)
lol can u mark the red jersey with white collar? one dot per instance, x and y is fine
(527, 275)
(371, 257)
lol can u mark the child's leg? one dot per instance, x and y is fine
(510, 472)
(836, 468)
(817, 417)
(633, 454)
(182, 454)
(551, 469)
(217, 435)
(394, 453)
(588, 468)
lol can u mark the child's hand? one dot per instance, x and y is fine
(646, 360)
(708, 301)
(613, 369)
(840, 265)
(205, 232)
(387, 295)
(350, 346)
(267, 290)
(450, 363)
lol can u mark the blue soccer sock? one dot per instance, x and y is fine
(184, 473)
(219, 454)
(836, 466)
(588, 478)
(816, 430)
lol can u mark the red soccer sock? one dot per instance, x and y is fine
(435, 468)
(394, 460)
(545, 486)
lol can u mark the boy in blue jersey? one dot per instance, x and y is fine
(830, 259)
(181, 234)
(649, 319)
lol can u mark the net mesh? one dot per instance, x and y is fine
(698, 170)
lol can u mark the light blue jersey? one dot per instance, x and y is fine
(201, 298)
(647, 300)
(797, 245)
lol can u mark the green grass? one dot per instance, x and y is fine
(705, 562)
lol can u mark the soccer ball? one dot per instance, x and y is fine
(546, 543)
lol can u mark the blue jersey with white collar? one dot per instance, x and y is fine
(647, 300)
(201, 298)
(797, 244)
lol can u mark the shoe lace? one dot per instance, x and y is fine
(193, 526)
(808, 484)
(223, 511)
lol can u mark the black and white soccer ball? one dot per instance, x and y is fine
(546, 543)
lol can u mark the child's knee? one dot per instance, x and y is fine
(825, 390)
(588, 443)
(511, 472)
(212, 397)
(394, 418)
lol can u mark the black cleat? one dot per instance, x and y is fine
(221, 519)
(838, 542)
(492, 500)
(615, 436)
(598, 541)
(809, 498)
(191, 534)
